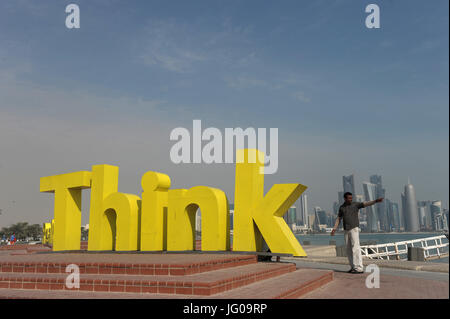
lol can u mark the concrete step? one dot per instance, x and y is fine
(206, 283)
(123, 263)
(288, 286)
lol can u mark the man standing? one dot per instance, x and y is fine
(349, 212)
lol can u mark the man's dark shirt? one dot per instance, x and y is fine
(350, 214)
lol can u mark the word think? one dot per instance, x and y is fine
(163, 219)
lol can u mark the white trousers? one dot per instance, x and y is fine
(353, 250)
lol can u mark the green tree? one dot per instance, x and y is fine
(84, 233)
(34, 231)
(22, 230)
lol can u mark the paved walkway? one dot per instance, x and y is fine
(353, 286)
(327, 254)
(394, 284)
(441, 276)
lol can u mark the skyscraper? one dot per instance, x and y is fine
(303, 210)
(410, 209)
(445, 221)
(422, 217)
(447, 218)
(320, 218)
(426, 205)
(395, 213)
(403, 212)
(293, 215)
(389, 216)
(321, 215)
(360, 198)
(340, 198)
(348, 183)
(380, 207)
(436, 215)
(335, 208)
(372, 218)
(290, 216)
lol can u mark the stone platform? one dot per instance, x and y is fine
(41, 274)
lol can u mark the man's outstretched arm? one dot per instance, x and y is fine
(372, 202)
(336, 225)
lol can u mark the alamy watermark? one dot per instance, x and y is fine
(373, 19)
(220, 148)
(73, 17)
(73, 279)
(373, 279)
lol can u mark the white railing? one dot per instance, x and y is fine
(433, 247)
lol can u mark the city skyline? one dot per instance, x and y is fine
(414, 215)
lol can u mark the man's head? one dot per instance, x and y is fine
(348, 197)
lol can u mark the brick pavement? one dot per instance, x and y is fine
(206, 283)
(32, 273)
(352, 286)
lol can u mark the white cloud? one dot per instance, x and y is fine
(300, 96)
(245, 82)
(179, 47)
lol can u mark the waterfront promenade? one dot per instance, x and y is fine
(398, 279)
(37, 272)
(327, 254)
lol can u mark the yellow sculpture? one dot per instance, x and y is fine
(52, 231)
(183, 205)
(67, 189)
(46, 233)
(114, 216)
(257, 216)
(165, 218)
(154, 211)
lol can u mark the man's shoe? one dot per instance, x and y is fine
(351, 270)
(357, 271)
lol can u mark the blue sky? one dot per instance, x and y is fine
(346, 99)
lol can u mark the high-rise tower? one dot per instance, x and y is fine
(380, 207)
(436, 215)
(303, 210)
(372, 218)
(410, 209)
(348, 183)
(395, 215)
